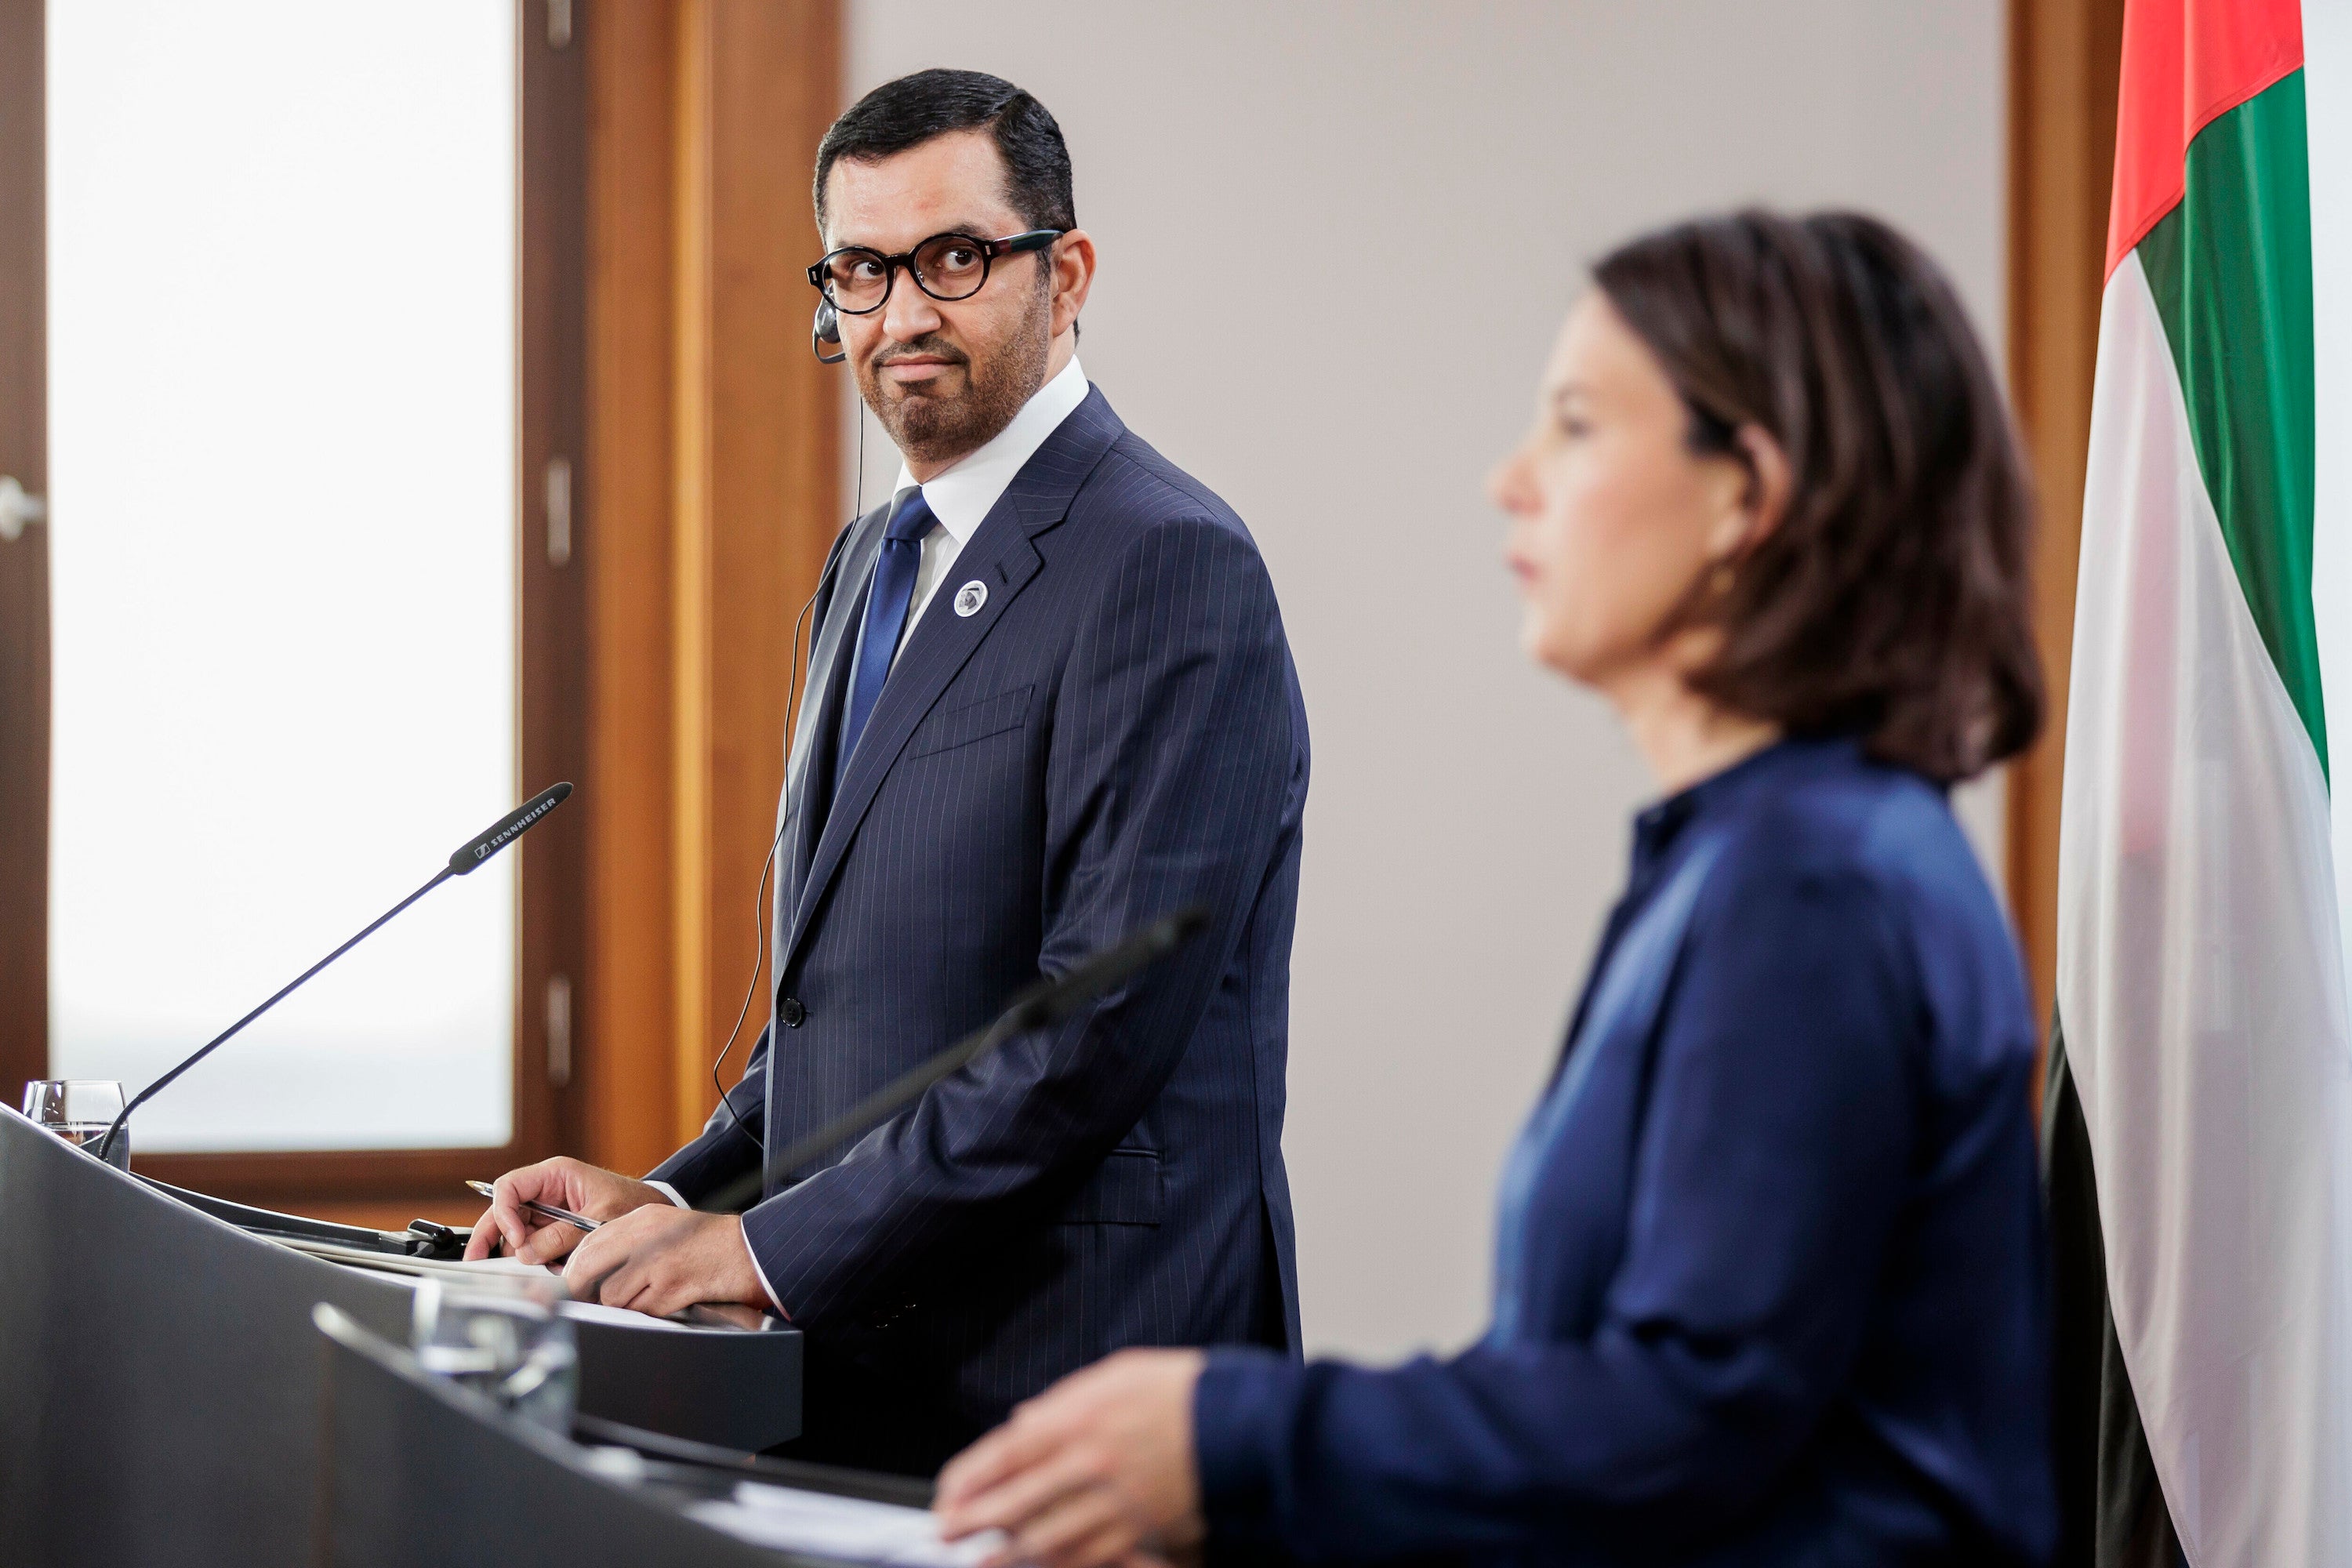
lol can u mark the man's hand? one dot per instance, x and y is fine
(664, 1259)
(565, 1183)
(1096, 1471)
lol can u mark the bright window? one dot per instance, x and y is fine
(282, 436)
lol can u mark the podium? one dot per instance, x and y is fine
(414, 1469)
(160, 1373)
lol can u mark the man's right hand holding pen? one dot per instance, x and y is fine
(562, 1183)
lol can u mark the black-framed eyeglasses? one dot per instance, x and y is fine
(946, 266)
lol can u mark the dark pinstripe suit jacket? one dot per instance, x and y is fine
(1116, 733)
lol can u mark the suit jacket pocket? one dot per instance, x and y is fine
(972, 722)
(1124, 1189)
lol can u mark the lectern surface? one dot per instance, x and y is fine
(413, 1471)
(160, 1373)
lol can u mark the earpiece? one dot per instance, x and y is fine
(825, 334)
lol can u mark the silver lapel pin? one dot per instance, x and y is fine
(970, 597)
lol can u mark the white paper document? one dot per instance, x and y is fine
(410, 1269)
(398, 1263)
(850, 1529)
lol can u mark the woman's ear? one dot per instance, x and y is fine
(1764, 500)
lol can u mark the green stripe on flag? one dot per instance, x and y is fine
(2230, 270)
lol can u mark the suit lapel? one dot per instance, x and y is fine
(844, 604)
(1000, 556)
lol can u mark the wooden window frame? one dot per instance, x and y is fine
(25, 560)
(2064, 56)
(24, 563)
(716, 439)
(551, 641)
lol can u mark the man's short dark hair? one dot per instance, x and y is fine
(913, 110)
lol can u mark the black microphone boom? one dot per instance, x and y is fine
(462, 859)
(1047, 1002)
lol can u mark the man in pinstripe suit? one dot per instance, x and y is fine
(1050, 700)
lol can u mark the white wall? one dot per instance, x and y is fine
(1337, 240)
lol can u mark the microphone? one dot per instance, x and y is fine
(496, 836)
(462, 860)
(1047, 1002)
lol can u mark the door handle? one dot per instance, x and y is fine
(18, 509)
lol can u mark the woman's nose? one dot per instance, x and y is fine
(1508, 485)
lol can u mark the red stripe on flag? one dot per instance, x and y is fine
(2186, 63)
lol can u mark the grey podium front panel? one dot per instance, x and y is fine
(159, 1372)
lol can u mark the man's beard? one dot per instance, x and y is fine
(929, 428)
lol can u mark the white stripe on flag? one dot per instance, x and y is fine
(2200, 983)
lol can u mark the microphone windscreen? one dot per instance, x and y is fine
(508, 829)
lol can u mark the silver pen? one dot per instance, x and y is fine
(550, 1210)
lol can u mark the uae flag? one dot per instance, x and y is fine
(2201, 968)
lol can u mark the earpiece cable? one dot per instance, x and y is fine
(793, 697)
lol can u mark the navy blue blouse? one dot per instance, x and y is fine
(1770, 1285)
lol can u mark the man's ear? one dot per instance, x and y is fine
(1073, 261)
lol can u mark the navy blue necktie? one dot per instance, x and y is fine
(886, 617)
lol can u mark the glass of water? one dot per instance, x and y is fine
(79, 1111)
(503, 1337)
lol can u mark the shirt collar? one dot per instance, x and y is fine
(1656, 829)
(963, 497)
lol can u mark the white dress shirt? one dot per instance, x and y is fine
(961, 498)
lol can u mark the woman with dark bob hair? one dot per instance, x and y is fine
(1769, 1281)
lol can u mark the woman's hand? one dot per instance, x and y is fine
(1095, 1471)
